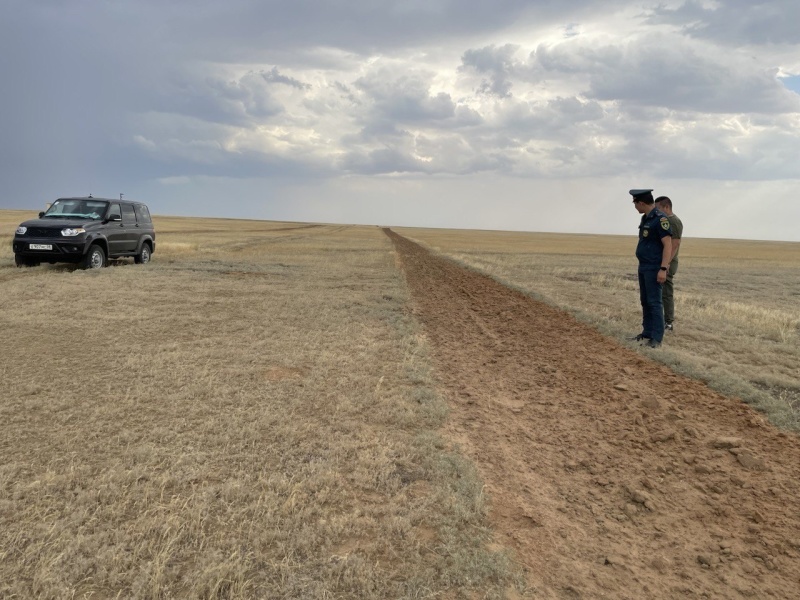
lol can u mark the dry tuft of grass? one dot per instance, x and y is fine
(737, 318)
(251, 415)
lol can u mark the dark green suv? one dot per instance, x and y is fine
(86, 231)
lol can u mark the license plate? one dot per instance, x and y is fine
(41, 246)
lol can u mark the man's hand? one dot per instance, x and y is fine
(666, 256)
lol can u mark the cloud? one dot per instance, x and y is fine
(497, 63)
(549, 119)
(208, 96)
(736, 22)
(398, 94)
(353, 25)
(273, 76)
(117, 93)
(663, 71)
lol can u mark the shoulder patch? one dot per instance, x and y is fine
(664, 223)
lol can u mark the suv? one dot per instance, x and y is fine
(86, 231)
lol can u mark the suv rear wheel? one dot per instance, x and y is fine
(144, 255)
(95, 258)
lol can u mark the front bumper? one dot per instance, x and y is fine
(46, 249)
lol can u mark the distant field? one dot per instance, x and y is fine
(737, 302)
(253, 414)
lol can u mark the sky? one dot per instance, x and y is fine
(531, 115)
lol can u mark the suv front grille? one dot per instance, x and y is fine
(44, 232)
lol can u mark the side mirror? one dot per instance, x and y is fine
(115, 218)
(41, 214)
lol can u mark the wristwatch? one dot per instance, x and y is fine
(664, 269)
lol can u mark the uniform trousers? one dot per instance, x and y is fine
(668, 296)
(652, 306)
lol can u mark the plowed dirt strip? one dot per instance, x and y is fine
(609, 475)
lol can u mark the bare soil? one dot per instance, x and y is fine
(608, 475)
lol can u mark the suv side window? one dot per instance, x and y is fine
(142, 214)
(114, 211)
(128, 215)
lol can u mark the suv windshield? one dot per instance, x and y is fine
(77, 208)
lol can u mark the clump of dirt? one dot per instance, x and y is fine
(609, 475)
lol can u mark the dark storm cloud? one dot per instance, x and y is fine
(126, 91)
(241, 101)
(736, 22)
(354, 25)
(497, 63)
(397, 94)
(660, 71)
(552, 118)
(409, 153)
(382, 161)
(273, 76)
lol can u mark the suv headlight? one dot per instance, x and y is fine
(21, 230)
(69, 232)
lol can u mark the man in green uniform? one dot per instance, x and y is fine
(676, 229)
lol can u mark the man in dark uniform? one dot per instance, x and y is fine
(664, 204)
(654, 252)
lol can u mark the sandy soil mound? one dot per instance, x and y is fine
(609, 475)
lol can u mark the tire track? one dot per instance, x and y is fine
(609, 476)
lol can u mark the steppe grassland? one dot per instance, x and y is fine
(737, 302)
(249, 415)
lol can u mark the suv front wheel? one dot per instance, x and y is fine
(95, 258)
(21, 261)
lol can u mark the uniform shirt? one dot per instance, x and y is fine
(676, 227)
(653, 227)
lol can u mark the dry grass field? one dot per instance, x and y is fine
(251, 415)
(737, 324)
(254, 414)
